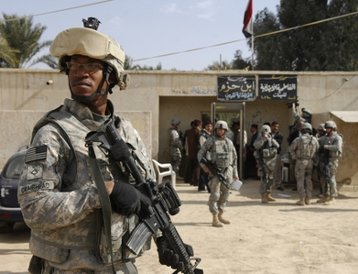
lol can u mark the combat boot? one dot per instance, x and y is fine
(222, 220)
(264, 198)
(300, 202)
(330, 200)
(216, 222)
(270, 198)
(307, 201)
(322, 200)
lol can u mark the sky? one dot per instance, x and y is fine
(146, 29)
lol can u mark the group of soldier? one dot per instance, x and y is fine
(308, 150)
(321, 152)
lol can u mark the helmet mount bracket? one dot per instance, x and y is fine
(91, 22)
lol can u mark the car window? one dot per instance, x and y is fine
(14, 167)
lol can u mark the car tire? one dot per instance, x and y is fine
(7, 227)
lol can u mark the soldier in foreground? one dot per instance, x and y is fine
(82, 209)
(224, 160)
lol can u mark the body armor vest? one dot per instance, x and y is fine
(221, 153)
(306, 147)
(55, 245)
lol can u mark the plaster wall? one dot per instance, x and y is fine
(154, 97)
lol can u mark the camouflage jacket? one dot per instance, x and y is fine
(304, 147)
(223, 155)
(58, 196)
(333, 145)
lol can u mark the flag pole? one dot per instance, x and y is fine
(252, 51)
(248, 28)
(252, 37)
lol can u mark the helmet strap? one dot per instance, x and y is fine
(106, 74)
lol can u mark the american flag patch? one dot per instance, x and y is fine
(36, 154)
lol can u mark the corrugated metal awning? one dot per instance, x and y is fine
(348, 116)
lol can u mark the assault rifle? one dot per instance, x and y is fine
(215, 171)
(164, 200)
(235, 185)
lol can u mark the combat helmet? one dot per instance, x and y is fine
(221, 125)
(321, 127)
(307, 127)
(87, 41)
(175, 121)
(306, 113)
(330, 124)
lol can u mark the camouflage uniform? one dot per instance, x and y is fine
(266, 153)
(223, 155)
(60, 201)
(331, 150)
(303, 150)
(175, 147)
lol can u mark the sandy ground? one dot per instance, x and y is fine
(276, 238)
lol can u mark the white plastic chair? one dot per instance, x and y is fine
(164, 170)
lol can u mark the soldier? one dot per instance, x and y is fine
(265, 153)
(175, 144)
(303, 149)
(59, 197)
(331, 146)
(224, 158)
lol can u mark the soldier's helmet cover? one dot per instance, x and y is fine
(87, 41)
(306, 126)
(321, 126)
(175, 121)
(330, 124)
(221, 125)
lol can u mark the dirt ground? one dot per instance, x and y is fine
(276, 238)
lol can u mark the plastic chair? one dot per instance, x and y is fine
(164, 170)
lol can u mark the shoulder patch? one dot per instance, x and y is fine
(36, 154)
(34, 172)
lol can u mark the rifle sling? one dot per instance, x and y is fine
(104, 199)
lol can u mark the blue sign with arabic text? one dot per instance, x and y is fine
(278, 87)
(236, 88)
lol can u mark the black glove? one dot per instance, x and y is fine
(119, 151)
(168, 257)
(127, 200)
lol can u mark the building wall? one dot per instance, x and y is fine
(154, 97)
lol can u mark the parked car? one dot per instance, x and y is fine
(10, 211)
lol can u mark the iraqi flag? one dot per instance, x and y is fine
(248, 28)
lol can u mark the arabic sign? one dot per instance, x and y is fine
(236, 88)
(278, 87)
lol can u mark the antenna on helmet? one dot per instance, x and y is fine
(91, 22)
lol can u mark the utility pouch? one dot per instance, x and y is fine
(36, 265)
(268, 153)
